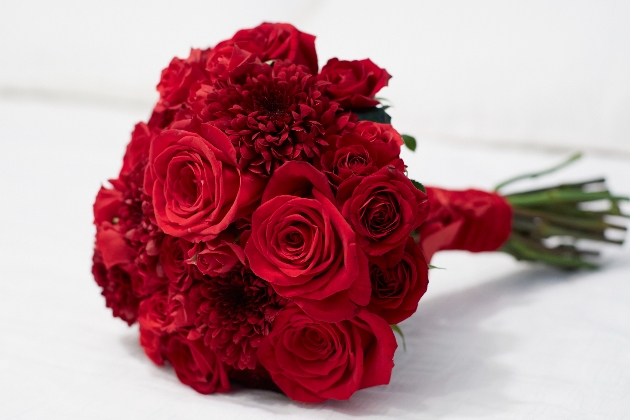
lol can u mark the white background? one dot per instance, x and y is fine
(490, 88)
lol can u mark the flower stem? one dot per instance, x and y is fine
(557, 214)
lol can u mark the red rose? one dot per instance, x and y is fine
(106, 205)
(112, 246)
(354, 83)
(152, 317)
(116, 284)
(265, 42)
(383, 208)
(356, 155)
(217, 256)
(179, 76)
(196, 365)
(396, 291)
(138, 148)
(279, 41)
(173, 256)
(312, 361)
(308, 252)
(196, 185)
(299, 179)
(113, 267)
(182, 311)
(379, 133)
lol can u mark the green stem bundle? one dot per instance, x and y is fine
(558, 212)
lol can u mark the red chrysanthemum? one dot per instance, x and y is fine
(273, 113)
(236, 312)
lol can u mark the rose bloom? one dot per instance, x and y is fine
(279, 41)
(374, 132)
(112, 262)
(116, 284)
(196, 185)
(383, 208)
(312, 361)
(152, 317)
(182, 310)
(196, 365)
(217, 256)
(179, 76)
(305, 248)
(356, 155)
(396, 291)
(268, 41)
(173, 255)
(353, 83)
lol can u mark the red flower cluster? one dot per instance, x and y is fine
(259, 231)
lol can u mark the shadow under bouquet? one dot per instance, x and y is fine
(263, 230)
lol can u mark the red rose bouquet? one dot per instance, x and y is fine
(263, 231)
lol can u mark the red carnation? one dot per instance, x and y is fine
(237, 310)
(396, 291)
(312, 361)
(273, 114)
(353, 83)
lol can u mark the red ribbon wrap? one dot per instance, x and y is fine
(469, 220)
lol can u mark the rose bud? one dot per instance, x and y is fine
(217, 256)
(354, 83)
(312, 361)
(396, 291)
(356, 155)
(383, 208)
(374, 132)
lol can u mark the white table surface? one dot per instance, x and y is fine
(492, 338)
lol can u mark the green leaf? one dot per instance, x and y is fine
(398, 331)
(431, 267)
(410, 142)
(377, 115)
(419, 186)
